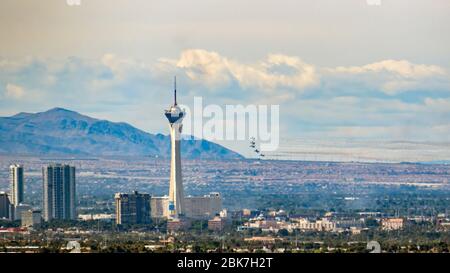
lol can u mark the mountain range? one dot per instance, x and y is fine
(60, 131)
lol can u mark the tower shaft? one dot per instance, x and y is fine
(176, 192)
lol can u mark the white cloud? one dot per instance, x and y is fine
(212, 69)
(207, 67)
(395, 76)
(279, 73)
(14, 91)
(401, 68)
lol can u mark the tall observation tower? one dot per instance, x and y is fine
(175, 116)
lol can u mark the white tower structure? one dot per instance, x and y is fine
(175, 116)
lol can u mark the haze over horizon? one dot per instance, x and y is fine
(351, 79)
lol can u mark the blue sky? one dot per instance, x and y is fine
(338, 69)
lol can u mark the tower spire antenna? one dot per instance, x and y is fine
(175, 90)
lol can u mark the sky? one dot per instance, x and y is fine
(341, 71)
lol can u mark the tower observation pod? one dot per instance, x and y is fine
(175, 117)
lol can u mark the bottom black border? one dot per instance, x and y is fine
(248, 262)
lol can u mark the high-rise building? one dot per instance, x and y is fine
(175, 116)
(5, 206)
(59, 192)
(132, 208)
(16, 184)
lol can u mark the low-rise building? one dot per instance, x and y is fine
(31, 218)
(14, 230)
(323, 224)
(197, 207)
(443, 223)
(392, 223)
(97, 216)
(177, 224)
(246, 212)
(264, 239)
(223, 213)
(18, 209)
(217, 223)
(160, 206)
(205, 206)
